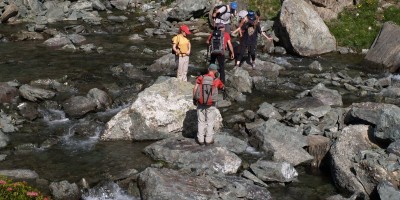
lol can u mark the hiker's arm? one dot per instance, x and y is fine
(236, 30)
(231, 49)
(189, 48)
(174, 47)
(209, 39)
(266, 36)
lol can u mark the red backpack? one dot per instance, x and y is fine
(206, 93)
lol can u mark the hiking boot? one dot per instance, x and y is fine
(253, 65)
(200, 143)
(209, 143)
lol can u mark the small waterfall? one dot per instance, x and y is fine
(76, 143)
(109, 191)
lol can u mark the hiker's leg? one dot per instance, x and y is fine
(201, 123)
(242, 48)
(211, 116)
(221, 69)
(213, 59)
(183, 68)
(252, 52)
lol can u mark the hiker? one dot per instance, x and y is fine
(222, 14)
(205, 96)
(181, 48)
(243, 18)
(217, 41)
(250, 28)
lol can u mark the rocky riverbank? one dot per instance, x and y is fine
(356, 141)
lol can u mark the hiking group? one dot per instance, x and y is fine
(205, 92)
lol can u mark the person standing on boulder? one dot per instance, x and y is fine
(205, 96)
(181, 47)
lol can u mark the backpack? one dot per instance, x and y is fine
(206, 93)
(217, 43)
(217, 8)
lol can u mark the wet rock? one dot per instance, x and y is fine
(25, 35)
(7, 123)
(315, 66)
(385, 117)
(19, 174)
(117, 19)
(88, 48)
(274, 171)
(28, 110)
(305, 103)
(249, 114)
(57, 41)
(186, 153)
(8, 94)
(78, 106)
(384, 50)
(268, 111)
(157, 184)
(88, 128)
(33, 94)
(302, 30)
(345, 50)
(3, 157)
(76, 38)
(235, 119)
(101, 98)
(64, 190)
(25, 148)
(283, 142)
(388, 191)
(9, 11)
(3, 140)
(253, 178)
(327, 96)
(163, 110)
(98, 5)
(351, 141)
(52, 84)
(394, 148)
(81, 5)
(135, 37)
(240, 79)
(120, 4)
(164, 64)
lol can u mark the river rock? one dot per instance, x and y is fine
(183, 10)
(302, 31)
(33, 94)
(25, 35)
(101, 98)
(9, 11)
(169, 184)
(163, 110)
(350, 142)
(384, 52)
(8, 94)
(98, 5)
(394, 148)
(186, 153)
(64, 190)
(28, 110)
(7, 123)
(274, 171)
(3, 140)
(240, 79)
(385, 117)
(164, 64)
(58, 41)
(327, 96)
(282, 142)
(78, 106)
(19, 174)
(268, 111)
(120, 4)
(304, 103)
(387, 191)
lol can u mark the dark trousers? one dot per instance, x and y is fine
(251, 49)
(221, 64)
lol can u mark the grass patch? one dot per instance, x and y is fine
(357, 27)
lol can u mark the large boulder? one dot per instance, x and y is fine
(284, 143)
(240, 79)
(183, 10)
(186, 153)
(157, 184)
(346, 173)
(163, 110)
(64, 190)
(303, 31)
(33, 93)
(385, 117)
(78, 106)
(384, 52)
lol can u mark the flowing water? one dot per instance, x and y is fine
(75, 157)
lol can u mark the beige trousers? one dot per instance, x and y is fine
(206, 118)
(183, 64)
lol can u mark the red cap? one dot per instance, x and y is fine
(185, 29)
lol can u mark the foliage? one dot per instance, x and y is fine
(10, 190)
(269, 8)
(392, 14)
(167, 2)
(358, 26)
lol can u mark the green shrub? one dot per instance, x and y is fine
(10, 190)
(269, 8)
(392, 14)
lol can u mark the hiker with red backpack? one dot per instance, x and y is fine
(250, 28)
(217, 41)
(181, 48)
(205, 96)
(222, 14)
